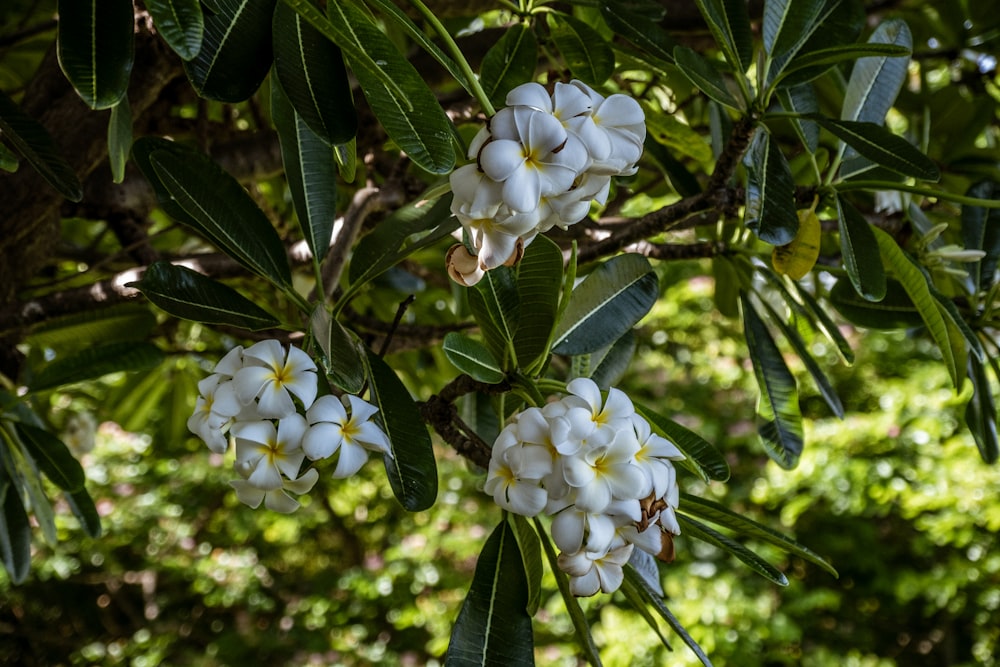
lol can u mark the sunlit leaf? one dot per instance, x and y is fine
(126, 321)
(704, 76)
(770, 199)
(586, 53)
(34, 143)
(818, 316)
(472, 358)
(875, 81)
(702, 457)
(509, 63)
(818, 61)
(881, 147)
(180, 23)
(680, 137)
(119, 138)
(95, 44)
(797, 258)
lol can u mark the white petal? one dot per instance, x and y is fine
(290, 464)
(586, 389)
(577, 472)
(522, 189)
(568, 101)
(232, 362)
(250, 380)
(265, 476)
(501, 158)
(544, 133)
(327, 409)
(619, 110)
(290, 431)
(372, 438)
(247, 493)
(322, 440)
(274, 402)
(602, 532)
(259, 432)
(532, 95)
(567, 529)
(225, 402)
(207, 385)
(279, 501)
(526, 499)
(268, 352)
(352, 457)
(575, 564)
(594, 497)
(303, 484)
(496, 249)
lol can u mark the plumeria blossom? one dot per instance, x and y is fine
(540, 163)
(595, 465)
(332, 429)
(272, 375)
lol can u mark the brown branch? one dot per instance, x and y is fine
(439, 411)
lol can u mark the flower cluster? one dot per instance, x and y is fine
(251, 396)
(540, 162)
(596, 467)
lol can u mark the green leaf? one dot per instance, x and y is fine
(472, 358)
(914, 281)
(52, 457)
(819, 61)
(894, 311)
(650, 38)
(312, 74)
(539, 283)
(15, 531)
(124, 321)
(95, 46)
(529, 546)
(881, 147)
(407, 108)
(9, 161)
(223, 211)
(704, 77)
(496, 305)
(94, 362)
(180, 23)
(981, 412)
(770, 199)
(82, 506)
(640, 561)
(609, 302)
(34, 143)
(189, 295)
(801, 99)
(235, 53)
(860, 252)
(981, 231)
(509, 63)
(698, 530)
(310, 170)
(779, 419)
(703, 458)
(785, 29)
(343, 353)
(730, 25)
(608, 365)
(493, 626)
(709, 510)
(411, 469)
(587, 55)
(875, 81)
(656, 601)
(119, 139)
(821, 320)
(668, 131)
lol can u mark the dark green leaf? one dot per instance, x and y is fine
(860, 252)
(472, 358)
(310, 170)
(957, 325)
(882, 147)
(9, 161)
(343, 354)
(34, 143)
(894, 311)
(496, 305)
(770, 200)
(656, 601)
(700, 531)
(609, 302)
(875, 81)
(119, 139)
(94, 362)
(52, 457)
(801, 99)
(493, 626)
(818, 316)
(530, 549)
(83, 508)
(608, 365)
(125, 321)
(15, 531)
(539, 283)
(981, 231)
(704, 76)
(640, 561)
(142, 148)
(586, 53)
(702, 457)
(411, 469)
(708, 510)
(649, 37)
(786, 27)
(834, 23)
(95, 44)
(235, 53)
(180, 23)
(223, 211)
(509, 62)
(730, 25)
(189, 295)
(681, 179)
(818, 61)
(981, 412)
(312, 74)
(727, 286)
(779, 419)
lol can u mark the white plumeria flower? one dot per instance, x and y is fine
(354, 436)
(214, 408)
(608, 417)
(622, 121)
(571, 524)
(271, 376)
(515, 474)
(276, 500)
(654, 458)
(595, 571)
(264, 453)
(604, 473)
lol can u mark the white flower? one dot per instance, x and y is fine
(332, 430)
(271, 376)
(276, 500)
(604, 473)
(515, 474)
(623, 124)
(264, 452)
(214, 408)
(595, 571)
(654, 458)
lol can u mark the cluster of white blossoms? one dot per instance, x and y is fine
(540, 162)
(596, 467)
(251, 397)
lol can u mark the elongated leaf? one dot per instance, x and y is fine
(530, 549)
(894, 311)
(697, 529)
(786, 27)
(818, 61)
(882, 147)
(34, 143)
(653, 42)
(15, 531)
(126, 321)
(95, 46)
(235, 53)
(189, 295)
(981, 231)
(472, 358)
(817, 315)
(52, 457)
(704, 77)
(770, 199)
(914, 282)
(119, 138)
(496, 305)
(310, 170)
(641, 561)
(586, 53)
(779, 419)
(411, 469)
(180, 23)
(801, 99)
(223, 211)
(730, 25)
(344, 355)
(656, 601)
(493, 626)
(539, 282)
(406, 107)
(709, 510)
(608, 365)
(953, 316)
(509, 62)
(981, 412)
(875, 81)
(797, 258)
(828, 24)
(82, 506)
(609, 302)
(94, 362)
(680, 137)
(859, 252)
(702, 457)
(312, 75)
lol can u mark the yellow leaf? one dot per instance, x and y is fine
(797, 258)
